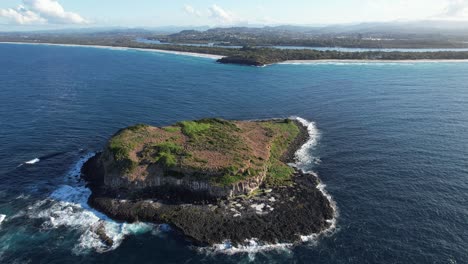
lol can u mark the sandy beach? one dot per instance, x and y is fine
(192, 54)
(366, 61)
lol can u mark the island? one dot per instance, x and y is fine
(211, 180)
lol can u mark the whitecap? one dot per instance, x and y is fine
(22, 197)
(33, 161)
(2, 218)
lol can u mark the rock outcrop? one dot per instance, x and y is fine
(213, 180)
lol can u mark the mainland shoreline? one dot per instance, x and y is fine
(218, 57)
(183, 53)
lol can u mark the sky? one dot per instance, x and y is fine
(48, 14)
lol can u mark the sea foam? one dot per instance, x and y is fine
(67, 207)
(304, 160)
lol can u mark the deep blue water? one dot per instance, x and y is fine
(393, 148)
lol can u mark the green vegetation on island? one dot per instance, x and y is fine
(213, 150)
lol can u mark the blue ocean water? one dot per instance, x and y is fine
(393, 150)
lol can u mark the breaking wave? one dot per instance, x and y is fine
(45, 157)
(304, 160)
(251, 247)
(2, 218)
(67, 207)
(33, 161)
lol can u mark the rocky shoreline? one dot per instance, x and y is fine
(272, 215)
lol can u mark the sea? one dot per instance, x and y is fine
(389, 142)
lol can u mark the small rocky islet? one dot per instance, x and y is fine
(213, 180)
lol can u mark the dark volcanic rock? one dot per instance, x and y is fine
(299, 141)
(297, 210)
(100, 230)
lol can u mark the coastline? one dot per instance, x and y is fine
(183, 53)
(217, 57)
(294, 62)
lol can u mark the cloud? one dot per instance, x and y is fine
(41, 12)
(456, 9)
(21, 15)
(192, 11)
(214, 13)
(221, 15)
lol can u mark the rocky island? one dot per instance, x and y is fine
(213, 180)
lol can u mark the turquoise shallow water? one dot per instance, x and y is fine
(392, 150)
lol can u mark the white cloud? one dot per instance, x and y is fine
(221, 15)
(192, 11)
(215, 14)
(456, 9)
(21, 15)
(41, 11)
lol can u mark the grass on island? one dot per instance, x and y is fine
(173, 147)
(122, 143)
(280, 173)
(167, 153)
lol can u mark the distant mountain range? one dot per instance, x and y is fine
(398, 27)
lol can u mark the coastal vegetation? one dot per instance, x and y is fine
(219, 151)
(278, 172)
(353, 37)
(255, 54)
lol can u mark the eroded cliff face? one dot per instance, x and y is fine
(156, 176)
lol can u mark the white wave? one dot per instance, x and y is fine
(33, 161)
(67, 207)
(369, 62)
(251, 247)
(304, 156)
(2, 218)
(333, 222)
(22, 197)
